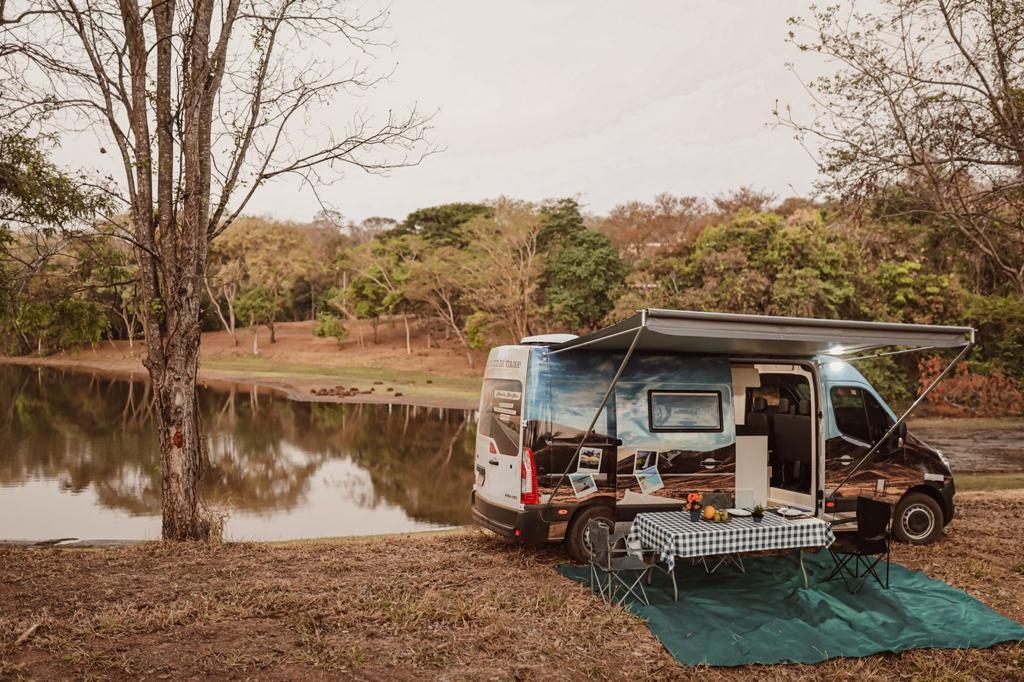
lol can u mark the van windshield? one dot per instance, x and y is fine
(500, 413)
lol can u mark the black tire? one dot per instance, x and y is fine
(577, 542)
(918, 519)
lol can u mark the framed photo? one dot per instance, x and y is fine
(590, 461)
(649, 480)
(583, 485)
(645, 459)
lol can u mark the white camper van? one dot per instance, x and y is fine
(766, 410)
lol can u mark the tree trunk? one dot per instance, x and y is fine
(273, 333)
(229, 328)
(231, 318)
(181, 446)
(408, 341)
(255, 340)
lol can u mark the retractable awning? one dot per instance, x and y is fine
(683, 331)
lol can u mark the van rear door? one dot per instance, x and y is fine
(499, 466)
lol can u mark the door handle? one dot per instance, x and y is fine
(493, 461)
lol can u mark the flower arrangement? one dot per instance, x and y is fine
(694, 502)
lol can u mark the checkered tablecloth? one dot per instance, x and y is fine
(673, 534)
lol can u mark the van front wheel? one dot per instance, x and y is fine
(918, 519)
(577, 539)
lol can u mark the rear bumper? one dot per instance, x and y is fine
(526, 526)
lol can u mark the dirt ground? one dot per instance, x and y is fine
(449, 606)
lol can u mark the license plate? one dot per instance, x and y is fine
(480, 474)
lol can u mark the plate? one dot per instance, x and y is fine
(790, 513)
(738, 512)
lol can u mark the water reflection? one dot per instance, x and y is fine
(283, 469)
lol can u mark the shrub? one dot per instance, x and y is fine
(969, 394)
(329, 325)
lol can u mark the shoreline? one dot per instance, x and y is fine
(300, 388)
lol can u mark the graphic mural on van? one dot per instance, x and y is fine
(679, 409)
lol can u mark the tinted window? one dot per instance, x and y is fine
(848, 407)
(858, 414)
(501, 412)
(878, 419)
(685, 410)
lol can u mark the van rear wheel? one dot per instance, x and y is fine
(918, 519)
(577, 539)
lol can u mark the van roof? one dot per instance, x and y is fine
(687, 331)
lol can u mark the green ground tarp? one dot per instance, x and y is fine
(766, 616)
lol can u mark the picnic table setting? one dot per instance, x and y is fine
(665, 569)
(730, 535)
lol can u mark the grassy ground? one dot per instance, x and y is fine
(966, 482)
(447, 606)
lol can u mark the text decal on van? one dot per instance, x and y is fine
(504, 363)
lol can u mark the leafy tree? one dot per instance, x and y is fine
(436, 280)
(43, 211)
(562, 221)
(584, 279)
(330, 325)
(259, 305)
(34, 193)
(642, 230)
(271, 257)
(442, 225)
(225, 277)
(504, 266)
(760, 263)
(743, 199)
(367, 296)
(927, 100)
(583, 273)
(378, 287)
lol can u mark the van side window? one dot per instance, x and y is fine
(858, 414)
(684, 410)
(501, 412)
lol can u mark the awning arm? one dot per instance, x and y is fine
(896, 425)
(587, 343)
(893, 352)
(597, 414)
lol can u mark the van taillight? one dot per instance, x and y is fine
(528, 474)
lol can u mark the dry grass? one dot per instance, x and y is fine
(457, 606)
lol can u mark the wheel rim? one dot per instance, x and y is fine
(587, 547)
(918, 521)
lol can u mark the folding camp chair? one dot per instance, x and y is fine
(858, 557)
(606, 568)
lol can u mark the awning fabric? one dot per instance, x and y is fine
(683, 331)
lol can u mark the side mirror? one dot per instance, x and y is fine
(901, 434)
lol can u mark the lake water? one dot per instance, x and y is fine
(78, 459)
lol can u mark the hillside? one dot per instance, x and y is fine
(304, 366)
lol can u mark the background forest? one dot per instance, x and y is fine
(470, 275)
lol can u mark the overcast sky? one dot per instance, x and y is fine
(607, 101)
